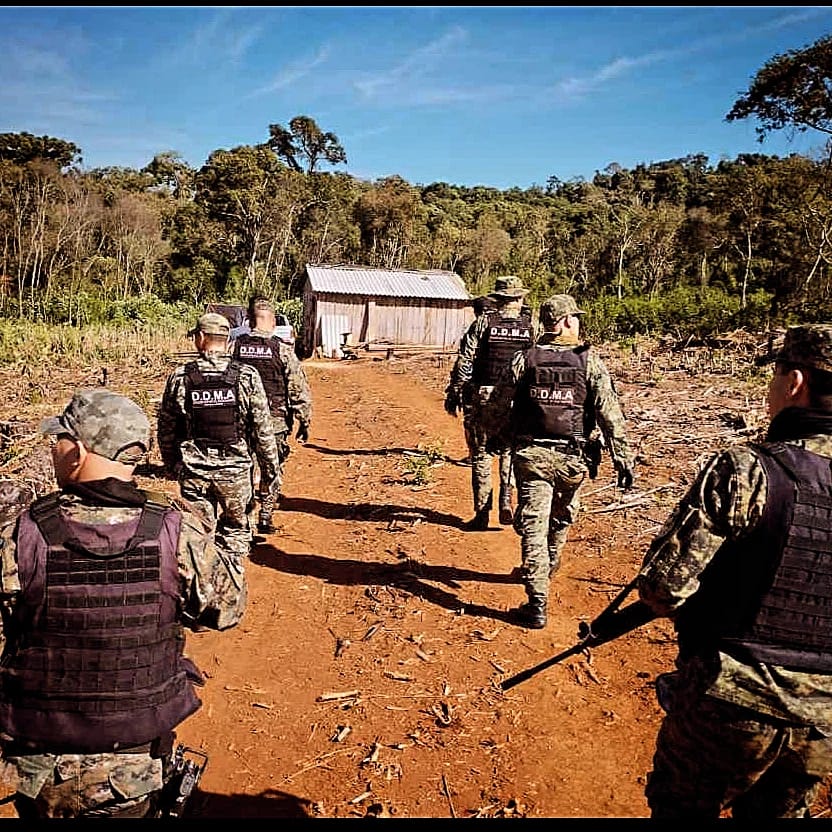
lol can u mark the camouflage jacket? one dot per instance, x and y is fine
(462, 372)
(725, 502)
(177, 449)
(298, 392)
(132, 774)
(602, 399)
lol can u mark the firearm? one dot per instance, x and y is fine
(609, 625)
(592, 451)
(183, 773)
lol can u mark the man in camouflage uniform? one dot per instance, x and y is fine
(97, 580)
(502, 328)
(551, 397)
(743, 566)
(287, 390)
(213, 410)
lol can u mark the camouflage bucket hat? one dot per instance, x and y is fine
(509, 286)
(557, 306)
(211, 323)
(806, 346)
(104, 422)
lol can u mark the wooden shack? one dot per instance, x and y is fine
(382, 309)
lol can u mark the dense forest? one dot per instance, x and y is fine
(685, 245)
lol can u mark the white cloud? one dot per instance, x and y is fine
(293, 73)
(218, 41)
(399, 79)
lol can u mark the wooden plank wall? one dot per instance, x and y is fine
(413, 321)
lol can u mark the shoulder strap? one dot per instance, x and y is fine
(192, 372)
(150, 523)
(44, 512)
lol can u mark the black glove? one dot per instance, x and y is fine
(451, 403)
(303, 432)
(625, 478)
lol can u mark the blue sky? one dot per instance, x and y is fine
(503, 97)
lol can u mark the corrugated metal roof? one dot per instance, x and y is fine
(400, 283)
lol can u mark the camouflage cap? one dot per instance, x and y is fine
(807, 346)
(509, 286)
(557, 306)
(103, 421)
(211, 323)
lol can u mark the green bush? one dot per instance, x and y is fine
(682, 312)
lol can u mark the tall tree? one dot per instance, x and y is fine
(304, 140)
(21, 148)
(792, 90)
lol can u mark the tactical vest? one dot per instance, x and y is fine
(95, 659)
(549, 396)
(212, 403)
(768, 597)
(503, 336)
(263, 354)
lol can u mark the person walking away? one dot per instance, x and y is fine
(551, 397)
(97, 580)
(485, 349)
(213, 410)
(743, 567)
(287, 390)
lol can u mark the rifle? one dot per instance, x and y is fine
(183, 773)
(609, 625)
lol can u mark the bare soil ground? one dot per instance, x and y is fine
(364, 680)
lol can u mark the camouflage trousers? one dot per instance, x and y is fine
(267, 496)
(225, 497)
(548, 501)
(482, 462)
(712, 755)
(85, 785)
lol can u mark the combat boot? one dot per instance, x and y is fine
(479, 522)
(506, 512)
(264, 520)
(265, 525)
(532, 614)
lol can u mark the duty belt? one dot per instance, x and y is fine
(565, 446)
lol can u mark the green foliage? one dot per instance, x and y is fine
(681, 312)
(36, 348)
(86, 308)
(293, 310)
(417, 467)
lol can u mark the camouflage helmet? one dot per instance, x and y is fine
(509, 287)
(104, 422)
(808, 345)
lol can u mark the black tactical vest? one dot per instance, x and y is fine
(502, 337)
(768, 597)
(263, 354)
(95, 659)
(212, 402)
(549, 397)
